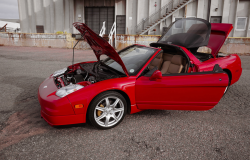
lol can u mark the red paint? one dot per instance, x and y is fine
(219, 33)
(231, 62)
(99, 45)
(200, 90)
(62, 120)
(52, 104)
(184, 91)
(156, 75)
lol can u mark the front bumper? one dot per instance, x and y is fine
(62, 120)
(56, 110)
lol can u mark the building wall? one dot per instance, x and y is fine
(120, 7)
(54, 15)
(58, 15)
(242, 11)
(232, 45)
(99, 3)
(239, 46)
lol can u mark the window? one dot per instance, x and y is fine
(120, 24)
(215, 19)
(39, 29)
(241, 23)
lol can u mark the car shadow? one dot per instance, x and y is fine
(82, 125)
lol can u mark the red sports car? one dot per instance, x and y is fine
(169, 75)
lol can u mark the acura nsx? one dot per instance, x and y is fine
(167, 75)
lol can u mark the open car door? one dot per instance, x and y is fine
(182, 91)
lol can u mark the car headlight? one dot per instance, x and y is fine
(64, 91)
(59, 72)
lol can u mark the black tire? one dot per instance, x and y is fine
(229, 83)
(111, 114)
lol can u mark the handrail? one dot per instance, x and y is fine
(4, 27)
(161, 13)
(112, 31)
(103, 29)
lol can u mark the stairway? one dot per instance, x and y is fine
(4, 27)
(156, 18)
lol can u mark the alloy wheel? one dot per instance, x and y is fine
(109, 111)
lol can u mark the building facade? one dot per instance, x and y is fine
(131, 16)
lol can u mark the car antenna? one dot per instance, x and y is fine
(75, 46)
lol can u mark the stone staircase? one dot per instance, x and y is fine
(156, 18)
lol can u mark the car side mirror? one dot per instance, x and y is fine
(156, 75)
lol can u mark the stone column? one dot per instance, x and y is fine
(131, 17)
(67, 16)
(59, 15)
(200, 9)
(39, 12)
(23, 15)
(47, 16)
(52, 16)
(71, 15)
(248, 24)
(32, 18)
(225, 12)
(235, 18)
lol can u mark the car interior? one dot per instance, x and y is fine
(170, 61)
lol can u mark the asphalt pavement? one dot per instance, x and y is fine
(220, 133)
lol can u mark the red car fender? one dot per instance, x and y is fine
(87, 94)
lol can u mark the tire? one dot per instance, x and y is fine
(107, 110)
(229, 82)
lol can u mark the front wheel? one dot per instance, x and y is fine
(107, 110)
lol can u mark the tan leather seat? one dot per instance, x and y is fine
(173, 66)
(167, 57)
(156, 62)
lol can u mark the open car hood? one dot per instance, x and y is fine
(99, 45)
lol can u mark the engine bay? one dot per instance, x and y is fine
(84, 74)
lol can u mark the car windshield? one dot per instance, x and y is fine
(133, 57)
(188, 32)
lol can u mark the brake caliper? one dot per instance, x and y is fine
(99, 113)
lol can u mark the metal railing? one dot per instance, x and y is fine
(112, 31)
(103, 29)
(161, 13)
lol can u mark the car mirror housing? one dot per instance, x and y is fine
(156, 75)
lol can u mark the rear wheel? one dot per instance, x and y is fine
(229, 82)
(107, 110)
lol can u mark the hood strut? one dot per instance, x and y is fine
(75, 46)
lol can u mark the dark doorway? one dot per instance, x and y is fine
(120, 24)
(94, 17)
(39, 29)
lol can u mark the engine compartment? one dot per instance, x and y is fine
(84, 74)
